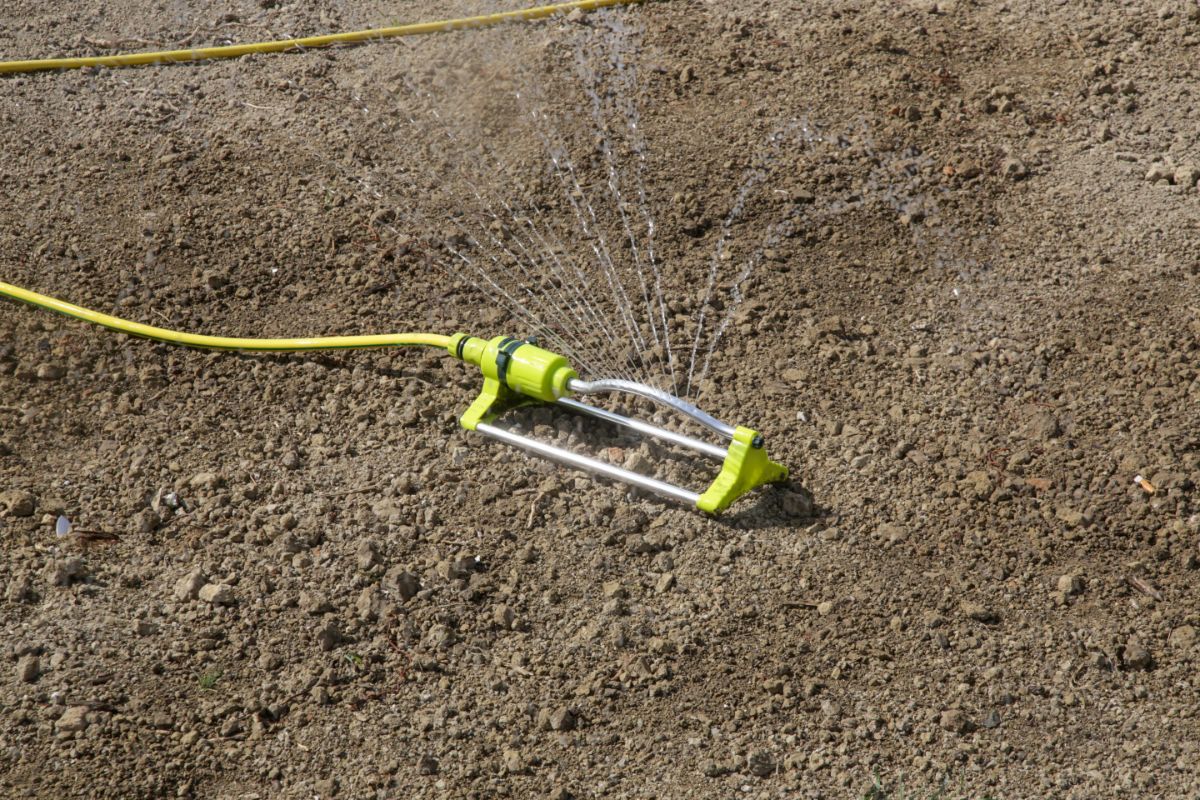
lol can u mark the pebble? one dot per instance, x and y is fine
(1160, 173)
(1183, 637)
(17, 503)
(51, 372)
(402, 582)
(615, 589)
(503, 617)
(188, 587)
(28, 669)
(218, 594)
(955, 721)
(1070, 584)
(63, 571)
(73, 720)
(313, 603)
(1187, 176)
(979, 612)
(562, 719)
(427, 765)
(514, 762)
(368, 555)
(330, 636)
(206, 480)
(1014, 169)
(1137, 656)
(761, 764)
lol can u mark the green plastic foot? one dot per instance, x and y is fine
(746, 468)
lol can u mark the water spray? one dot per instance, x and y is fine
(516, 372)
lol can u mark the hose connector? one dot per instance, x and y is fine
(514, 372)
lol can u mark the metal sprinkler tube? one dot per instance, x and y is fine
(517, 372)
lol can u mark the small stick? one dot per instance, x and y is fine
(533, 510)
(1144, 588)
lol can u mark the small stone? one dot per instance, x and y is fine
(883, 41)
(1070, 584)
(1013, 169)
(427, 765)
(979, 612)
(615, 589)
(1160, 173)
(402, 582)
(313, 603)
(206, 480)
(1187, 176)
(368, 555)
(63, 572)
(327, 787)
(1042, 426)
(761, 764)
(562, 719)
(955, 721)
(290, 460)
(330, 636)
(368, 604)
(218, 594)
(1182, 637)
(188, 587)
(795, 504)
(514, 762)
(28, 669)
(824, 608)
(1070, 516)
(664, 584)
(503, 617)
(51, 372)
(992, 720)
(439, 637)
(1137, 656)
(17, 503)
(614, 608)
(73, 720)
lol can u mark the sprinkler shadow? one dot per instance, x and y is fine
(777, 505)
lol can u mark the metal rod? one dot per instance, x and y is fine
(589, 464)
(657, 395)
(710, 450)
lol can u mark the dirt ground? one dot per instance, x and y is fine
(294, 576)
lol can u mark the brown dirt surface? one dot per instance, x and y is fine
(295, 576)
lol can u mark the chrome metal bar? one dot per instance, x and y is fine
(589, 464)
(710, 450)
(657, 395)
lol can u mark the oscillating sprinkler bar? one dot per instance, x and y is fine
(517, 372)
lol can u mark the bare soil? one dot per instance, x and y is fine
(295, 576)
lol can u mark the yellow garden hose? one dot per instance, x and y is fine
(219, 342)
(353, 37)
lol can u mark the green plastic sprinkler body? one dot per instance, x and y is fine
(518, 372)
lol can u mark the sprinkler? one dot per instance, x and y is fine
(516, 372)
